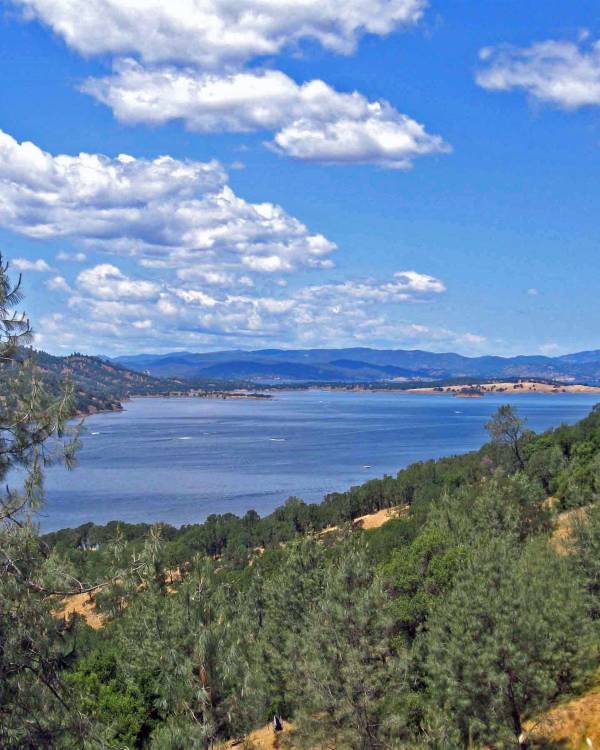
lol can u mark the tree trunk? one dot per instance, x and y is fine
(516, 719)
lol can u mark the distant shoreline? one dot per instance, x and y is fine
(479, 390)
(463, 390)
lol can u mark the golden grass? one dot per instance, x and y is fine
(571, 724)
(81, 604)
(260, 739)
(523, 386)
(373, 520)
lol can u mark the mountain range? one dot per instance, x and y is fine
(360, 365)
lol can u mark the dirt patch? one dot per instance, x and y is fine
(570, 725)
(563, 530)
(373, 520)
(81, 604)
(260, 739)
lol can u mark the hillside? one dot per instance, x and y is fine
(100, 385)
(358, 365)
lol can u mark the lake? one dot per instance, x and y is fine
(181, 459)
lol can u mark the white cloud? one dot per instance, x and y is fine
(146, 313)
(533, 292)
(107, 282)
(72, 257)
(406, 286)
(313, 121)
(212, 33)
(170, 213)
(472, 338)
(565, 74)
(37, 266)
(58, 284)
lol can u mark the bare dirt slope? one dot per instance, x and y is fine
(572, 725)
(81, 604)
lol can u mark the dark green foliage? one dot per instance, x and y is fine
(586, 549)
(418, 574)
(349, 678)
(507, 640)
(114, 700)
(566, 461)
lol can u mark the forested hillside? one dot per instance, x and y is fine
(405, 636)
(98, 385)
(454, 625)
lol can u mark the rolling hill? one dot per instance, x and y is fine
(356, 365)
(100, 385)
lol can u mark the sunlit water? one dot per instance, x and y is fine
(179, 460)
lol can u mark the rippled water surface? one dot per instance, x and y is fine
(179, 460)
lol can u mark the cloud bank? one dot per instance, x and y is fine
(125, 311)
(216, 33)
(165, 211)
(312, 121)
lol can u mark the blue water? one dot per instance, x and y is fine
(179, 460)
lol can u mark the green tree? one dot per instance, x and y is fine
(506, 642)
(350, 681)
(34, 646)
(418, 574)
(288, 596)
(586, 548)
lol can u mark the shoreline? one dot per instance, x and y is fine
(480, 390)
(463, 390)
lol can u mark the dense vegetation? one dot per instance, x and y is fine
(448, 627)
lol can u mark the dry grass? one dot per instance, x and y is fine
(373, 520)
(81, 604)
(563, 530)
(260, 739)
(571, 724)
(523, 386)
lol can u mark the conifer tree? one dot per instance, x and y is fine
(34, 709)
(506, 642)
(350, 681)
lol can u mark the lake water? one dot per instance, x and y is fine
(181, 459)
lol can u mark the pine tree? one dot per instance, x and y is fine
(34, 708)
(506, 642)
(350, 681)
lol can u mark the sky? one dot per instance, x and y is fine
(217, 174)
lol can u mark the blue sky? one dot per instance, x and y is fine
(388, 173)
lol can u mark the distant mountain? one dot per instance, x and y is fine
(356, 365)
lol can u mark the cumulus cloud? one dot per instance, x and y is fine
(565, 74)
(406, 286)
(189, 60)
(169, 212)
(312, 121)
(106, 281)
(213, 33)
(24, 264)
(146, 312)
